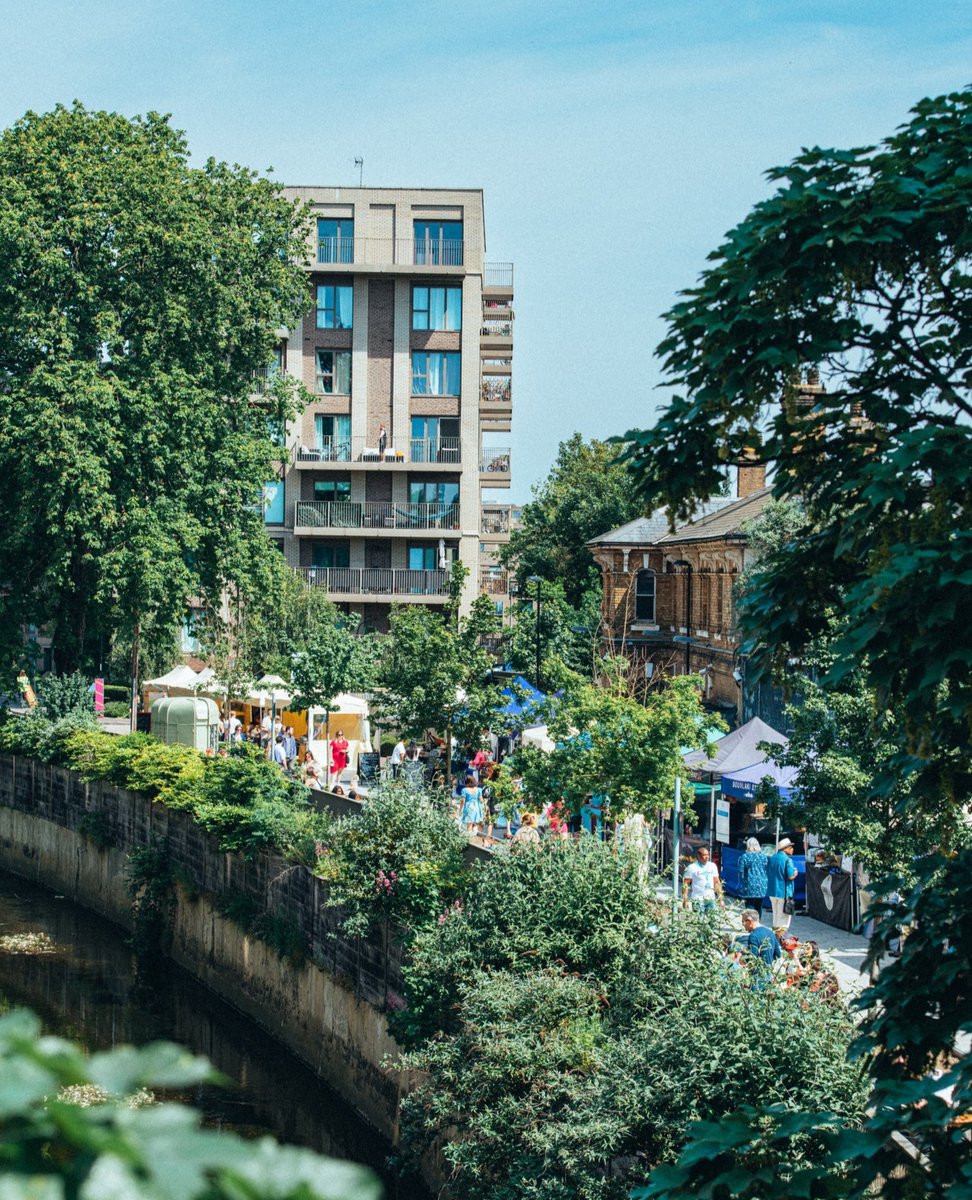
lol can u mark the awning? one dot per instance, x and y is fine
(744, 782)
(736, 750)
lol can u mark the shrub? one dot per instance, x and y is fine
(577, 905)
(36, 736)
(60, 695)
(400, 859)
(117, 708)
(561, 1093)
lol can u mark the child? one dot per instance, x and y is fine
(472, 806)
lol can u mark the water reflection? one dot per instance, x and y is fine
(87, 991)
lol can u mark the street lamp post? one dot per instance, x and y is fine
(681, 562)
(537, 580)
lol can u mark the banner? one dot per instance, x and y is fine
(830, 897)
(99, 695)
(722, 820)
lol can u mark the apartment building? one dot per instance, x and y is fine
(407, 349)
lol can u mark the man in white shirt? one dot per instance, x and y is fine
(397, 758)
(701, 883)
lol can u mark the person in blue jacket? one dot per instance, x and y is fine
(780, 877)
(759, 941)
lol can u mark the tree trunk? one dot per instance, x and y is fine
(449, 756)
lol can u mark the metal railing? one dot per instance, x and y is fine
(495, 522)
(426, 252)
(498, 275)
(497, 389)
(377, 581)
(329, 450)
(375, 514)
(493, 582)
(434, 450)
(495, 460)
(497, 329)
(264, 377)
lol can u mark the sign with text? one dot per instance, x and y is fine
(722, 820)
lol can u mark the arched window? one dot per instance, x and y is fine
(645, 596)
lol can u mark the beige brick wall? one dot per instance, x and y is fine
(381, 333)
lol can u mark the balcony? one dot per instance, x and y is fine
(494, 582)
(496, 334)
(378, 583)
(496, 402)
(438, 453)
(494, 466)
(440, 255)
(495, 523)
(315, 516)
(498, 277)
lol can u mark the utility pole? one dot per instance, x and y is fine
(538, 581)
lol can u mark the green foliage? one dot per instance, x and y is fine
(283, 933)
(858, 264)
(569, 637)
(400, 859)
(581, 907)
(149, 883)
(61, 695)
(434, 672)
(95, 825)
(34, 736)
(53, 1149)
(334, 661)
(610, 743)
(565, 1086)
(585, 495)
(118, 708)
(133, 452)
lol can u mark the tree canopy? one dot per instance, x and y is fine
(586, 494)
(857, 266)
(139, 295)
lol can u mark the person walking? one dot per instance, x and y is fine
(278, 754)
(780, 876)
(701, 878)
(339, 754)
(752, 875)
(757, 940)
(472, 806)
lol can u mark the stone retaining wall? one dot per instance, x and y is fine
(75, 836)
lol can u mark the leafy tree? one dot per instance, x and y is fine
(612, 744)
(54, 1149)
(62, 695)
(585, 494)
(434, 672)
(285, 620)
(335, 660)
(568, 637)
(140, 296)
(858, 265)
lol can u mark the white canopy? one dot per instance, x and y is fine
(736, 750)
(537, 735)
(179, 677)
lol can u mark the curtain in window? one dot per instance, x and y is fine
(453, 315)
(343, 307)
(452, 374)
(437, 308)
(434, 374)
(342, 374)
(420, 383)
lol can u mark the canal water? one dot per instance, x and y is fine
(87, 990)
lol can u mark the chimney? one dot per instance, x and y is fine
(750, 475)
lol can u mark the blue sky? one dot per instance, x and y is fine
(615, 143)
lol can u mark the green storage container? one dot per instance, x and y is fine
(187, 720)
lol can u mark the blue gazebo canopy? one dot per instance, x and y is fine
(744, 782)
(522, 702)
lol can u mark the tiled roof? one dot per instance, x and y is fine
(725, 521)
(648, 530)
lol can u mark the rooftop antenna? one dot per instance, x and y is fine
(359, 163)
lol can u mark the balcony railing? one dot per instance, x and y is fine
(265, 377)
(496, 389)
(377, 514)
(493, 582)
(494, 522)
(497, 329)
(442, 450)
(377, 581)
(498, 275)
(494, 460)
(431, 252)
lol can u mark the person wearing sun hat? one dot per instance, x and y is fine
(780, 877)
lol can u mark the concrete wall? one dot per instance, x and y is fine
(329, 1010)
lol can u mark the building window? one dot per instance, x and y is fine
(335, 306)
(335, 240)
(437, 308)
(334, 372)
(435, 439)
(332, 555)
(438, 243)
(645, 596)
(435, 373)
(333, 437)
(273, 502)
(332, 490)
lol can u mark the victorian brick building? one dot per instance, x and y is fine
(668, 601)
